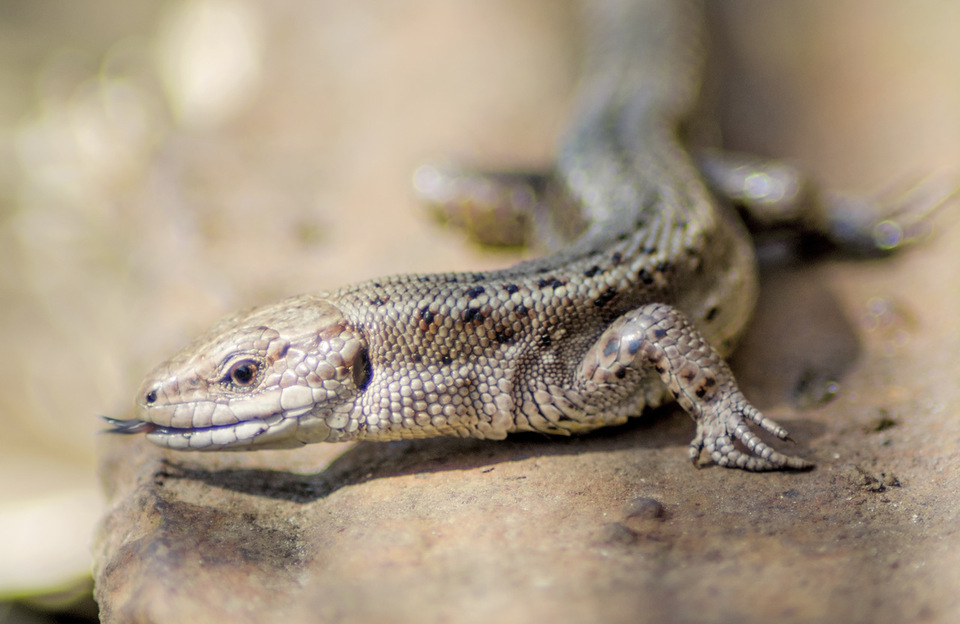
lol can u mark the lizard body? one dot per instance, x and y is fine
(657, 282)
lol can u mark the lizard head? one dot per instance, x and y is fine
(272, 377)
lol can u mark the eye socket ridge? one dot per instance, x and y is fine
(243, 373)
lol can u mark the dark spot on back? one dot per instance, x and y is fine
(550, 282)
(474, 292)
(426, 315)
(605, 297)
(511, 288)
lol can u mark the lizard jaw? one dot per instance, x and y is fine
(243, 435)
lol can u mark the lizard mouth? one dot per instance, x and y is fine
(133, 426)
(237, 435)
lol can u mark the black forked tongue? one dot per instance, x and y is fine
(128, 426)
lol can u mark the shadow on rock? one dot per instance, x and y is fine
(367, 461)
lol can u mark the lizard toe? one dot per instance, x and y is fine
(726, 436)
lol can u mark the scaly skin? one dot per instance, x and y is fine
(616, 322)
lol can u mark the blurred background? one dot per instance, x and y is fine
(164, 162)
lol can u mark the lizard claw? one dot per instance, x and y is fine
(896, 219)
(721, 429)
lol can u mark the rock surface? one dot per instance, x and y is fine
(297, 177)
(613, 527)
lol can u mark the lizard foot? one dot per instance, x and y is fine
(495, 209)
(894, 220)
(775, 194)
(720, 428)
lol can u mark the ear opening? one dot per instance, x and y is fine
(361, 370)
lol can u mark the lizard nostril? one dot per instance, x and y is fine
(151, 397)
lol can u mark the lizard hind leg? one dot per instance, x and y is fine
(776, 195)
(658, 337)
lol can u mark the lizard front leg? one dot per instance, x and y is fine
(658, 337)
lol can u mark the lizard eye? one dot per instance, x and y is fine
(243, 373)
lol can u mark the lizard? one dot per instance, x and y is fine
(651, 280)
